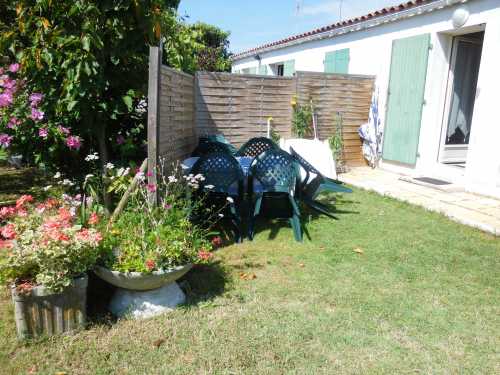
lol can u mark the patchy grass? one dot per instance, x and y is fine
(14, 182)
(387, 289)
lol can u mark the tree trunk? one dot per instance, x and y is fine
(104, 157)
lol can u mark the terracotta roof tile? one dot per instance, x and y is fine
(374, 14)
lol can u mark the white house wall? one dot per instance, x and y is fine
(370, 53)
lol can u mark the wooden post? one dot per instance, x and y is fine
(155, 59)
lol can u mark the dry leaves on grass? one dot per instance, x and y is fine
(358, 251)
(247, 276)
(158, 343)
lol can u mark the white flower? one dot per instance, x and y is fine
(89, 201)
(230, 200)
(109, 166)
(140, 176)
(199, 176)
(67, 182)
(57, 175)
(47, 188)
(91, 157)
(172, 179)
(221, 215)
(209, 186)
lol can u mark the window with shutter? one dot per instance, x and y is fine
(289, 68)
(337, 61)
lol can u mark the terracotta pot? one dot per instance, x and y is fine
(41, 312)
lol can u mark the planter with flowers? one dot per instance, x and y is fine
(148, 246)
(45, 253)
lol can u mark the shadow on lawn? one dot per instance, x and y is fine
(202, 283)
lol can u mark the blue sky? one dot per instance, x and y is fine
(256, 22)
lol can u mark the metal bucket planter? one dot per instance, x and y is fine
(44, 313)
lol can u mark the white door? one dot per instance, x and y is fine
(461, 95)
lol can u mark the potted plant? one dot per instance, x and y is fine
(45, 253)
(149, 245)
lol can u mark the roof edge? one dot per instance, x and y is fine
(373, 19)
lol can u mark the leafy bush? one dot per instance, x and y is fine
(45, 244)
(148, 237)
(89, 59)
(302, 119)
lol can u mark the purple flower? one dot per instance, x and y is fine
(9, 84)
(13, 68)
(167, 206)
(5, 140)
(120, 139)
(35, 98)
(13, 122)
(36, 115)
(63, 130)
(43, 133)
(73, 142)
(6, 99)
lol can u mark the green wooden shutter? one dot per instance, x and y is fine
(342, 61)
(337, 61)
(405, 98)
(329, 62)
(263, 70)
(289, 68)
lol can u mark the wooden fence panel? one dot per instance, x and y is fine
(238, 105)
(349, 95)
(176, 134)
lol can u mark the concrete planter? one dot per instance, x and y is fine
(139, 280)
(44, 313)
(144, 295)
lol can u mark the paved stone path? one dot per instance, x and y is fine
(466, 208)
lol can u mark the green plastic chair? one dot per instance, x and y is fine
(273, 177)
(223, 178)
(256, 146)
(206, 147)
(219, 138)
(309, 188)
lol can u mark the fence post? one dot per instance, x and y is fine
(155, 59)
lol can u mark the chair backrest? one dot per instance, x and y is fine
(256, 146)
(206, 147)
(221, 170)
(275, 170)
(304, 163)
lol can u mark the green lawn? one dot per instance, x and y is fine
(387, 289)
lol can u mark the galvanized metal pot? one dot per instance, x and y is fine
(44, 313)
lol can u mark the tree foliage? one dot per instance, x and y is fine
(90, 60)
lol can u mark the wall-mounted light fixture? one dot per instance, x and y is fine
(257, 57)
(460, 16)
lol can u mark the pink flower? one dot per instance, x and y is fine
(36, 114)
(13, 122)
(6, 212)
(43, 133)
(120, 139)
(151, 188)
(13, 68)
(23, 199)
(204, 255)
(167, 206)
(150, 264)
(217, 241)
(8, 232)
(149, 174)
(6, 244)
(93, 219)
(10, 84)
(35, 98)
(5, 140)
(6, 99)
(73, 142)
(63, 130)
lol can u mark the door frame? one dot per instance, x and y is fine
(447, 104)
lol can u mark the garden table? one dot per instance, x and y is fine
(245, 162)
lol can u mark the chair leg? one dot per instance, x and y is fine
(297, 229)
(253, 213)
